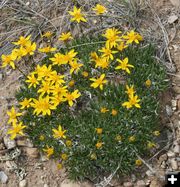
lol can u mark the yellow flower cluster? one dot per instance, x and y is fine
(17, 126)
(24, 47)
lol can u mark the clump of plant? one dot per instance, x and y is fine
(92, 104)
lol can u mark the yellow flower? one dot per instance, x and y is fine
(68, 143)
(151, 145)
(114, 112)
(16, 129)
(94, 56)
(93, 156)
(118, 138)
(133, 101)
(107, 52)
(23, 41)
(156, 133)
(85, 74)
(47, 34)
(44, 71)
(138, 162)
(59, 90)
(56, 100)
(71, 83)
(25, 103)
(99, 130)
(41, 137)
(148, 83)
(71, 97)
(46, 87)
(55, 78)
(42, 105)
(47, 49)
(68, 57)
(58, 59)
(29, 48)
(19, 53)
(124, 65)
(133, 37)
(112, 37)
(13, 115)
(102, 62)
(74, 66)
(64, 156)
(99, 82)
(99, 9)
(32, 80)
(99, 145)
(130, 90)
(49, 151)
(77, 15)
(59, 166)
(121, 46)
(59, 133)
(104, 110)
(9, 60)
(132, 138)
(65, 36)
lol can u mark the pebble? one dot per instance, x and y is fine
(45, 185)
(127, 184)
(149, 173)
(1, 76)
(176, 89)
(68, 183)
(10, 144)
(163, 165)
(155, 183)
(174, 164)
(172, 19)
(174, 104)
(24, 142)
(32, 152)
(23, 183)
(169, 110)
(162, 158)
(141, 183)
(176, 149)
(170, 154)
(3, 177)
(2, 146)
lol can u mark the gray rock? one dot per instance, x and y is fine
(174, 164)
(10, 144)
(3, 177)
(169, 110)
(176, 149)
(32, 152)
(140, 183)
(127, 184)
(149, 173)
(23, 183)
(170, 154)
(24, 142)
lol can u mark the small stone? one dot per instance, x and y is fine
(174, 104)
(176, 89)
(10, 144)
(3, 177)
(24, 142)
(32, 152)
(162, 158)
(2, 146)
(23, 183)
(68, 183)
(133, 178)
(163, 165)
(172, 19)
(169, 110)
(141, 183)
(170, 154)
(127, 184)
(149, 173)
(45, 185)
(155, 183)
(1, 76)
(176, 149)
(174, 164)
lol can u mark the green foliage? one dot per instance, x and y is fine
(83, 118)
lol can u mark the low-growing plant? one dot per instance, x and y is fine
(92, 104)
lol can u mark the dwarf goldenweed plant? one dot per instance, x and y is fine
(93, 104)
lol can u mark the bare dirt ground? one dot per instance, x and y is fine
(159, 20)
